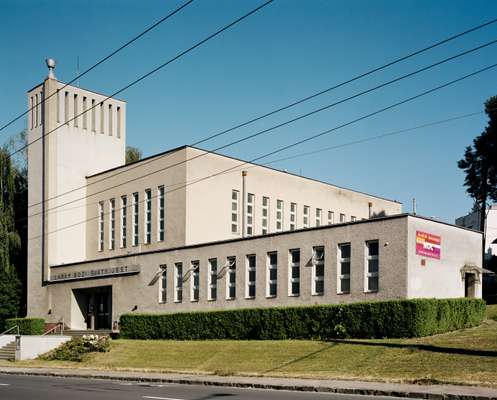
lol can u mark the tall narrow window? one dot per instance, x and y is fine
(265, 215)
(110, 120)
(124, 220)
(136, 215)
(66, 108)
(250, 276)
(331, 217)
(102, 119)
(279, 215)
(235, 200)
(212, 284)
(195, 281)
(163, 285)
(100, 226)
(250, 214)
(36, 110)
(118, 121)
(231, 278)
(161, 213)
(112, 224)
(342, 217)
(319, 216)
(32, 109)
(178, 282)
(294, 273)
(93, 116)
(372, 265)
(343, 268)
(148, 217)
(85, 114)
(272, 274)
(58, 105)
(75, 110)
(353, 218)
(305, 220)
(293, 216)
(318, 270)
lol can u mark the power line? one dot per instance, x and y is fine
(122, 47)
(314, 95)
(307, 139)
(262, 132)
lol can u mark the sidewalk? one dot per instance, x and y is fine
(435, 392)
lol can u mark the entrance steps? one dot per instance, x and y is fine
(8, 352)
(79, 333)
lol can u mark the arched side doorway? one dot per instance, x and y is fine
(471, 276)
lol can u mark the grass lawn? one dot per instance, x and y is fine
(467, 356)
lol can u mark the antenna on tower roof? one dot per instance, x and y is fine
(51, 68)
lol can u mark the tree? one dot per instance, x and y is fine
(480, 164)
(133, 154)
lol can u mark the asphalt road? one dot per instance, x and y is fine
(13, 387)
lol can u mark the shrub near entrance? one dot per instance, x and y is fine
(386, 319)
(27, 326)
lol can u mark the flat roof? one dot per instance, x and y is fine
(234, 240)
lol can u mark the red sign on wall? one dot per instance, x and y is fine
(428, 245)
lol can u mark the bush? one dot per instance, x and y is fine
(27, 326)
(77, 349)
(386, 319)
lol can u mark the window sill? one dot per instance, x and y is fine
(178, 301)
(162, 302)
(193, 301)
(371, 291)
(342, 293)
(271, 296)
(294, 295)
(213, 299)
(318, 294)
(230, 298)
(249, 297)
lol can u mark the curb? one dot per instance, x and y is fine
(413, 394)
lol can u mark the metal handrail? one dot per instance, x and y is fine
(59, 324)
(10, 329)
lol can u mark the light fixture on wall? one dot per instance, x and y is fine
(135, 307)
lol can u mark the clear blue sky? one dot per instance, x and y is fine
(290, 49)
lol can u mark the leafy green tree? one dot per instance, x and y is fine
(133, 154)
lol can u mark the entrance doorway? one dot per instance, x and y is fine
(95, 305)
(469, 284)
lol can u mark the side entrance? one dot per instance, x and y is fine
(92, 309)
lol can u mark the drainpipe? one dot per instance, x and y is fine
(244, 176)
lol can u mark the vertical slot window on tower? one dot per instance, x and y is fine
(178, 282)
(66, 108)
(136, 214)
(272, 274)
(148, 217)
(110, 116)
(250, 276)
(319, 216)
(343, 268)
(112, 224)
(294, 273)
(212, 284)
(102, 117)
(305, 219)
(32, 114)
(231, 278)
(161, 213)
(101, 226)
(265, 215)
(318, 271)
(124, 220)
(36, 110)
(93, 116)
(250, 214)
(195, 281)
(372, 265)
(75, 111)
(163, 284)
(279, 215)
(118, 121)
(235, 200)
(331, 217)
(293, 216)
(85, 114)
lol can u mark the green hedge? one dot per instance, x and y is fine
(387, 319)
(27, 326)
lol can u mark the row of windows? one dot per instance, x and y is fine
(229, 270)
(280, 210)
(90, 113)
(135, 218)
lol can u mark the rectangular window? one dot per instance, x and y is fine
(352, 218)
(331, 217)
(235, 200)
(136, 215)
(372, 265)
(66, 108)
(305, 221)
(279, 215)
(231, 278)
(161, 213)
(118, 121)
(36, 110)
(265, 215)
(124, 220)
(272, 274)
(318, 270)
(75, 105)
(343, 280)
(102, 117)
(112, 224)
(110, 120)
(100, 226)
(319, 216)
(163, 285)
(32, 108)
(148, 216)
(85, 116)
(293, 216)
(250, 276)
(178, 282)
(93, 120)
(250, 214)
(342, 217)
(195, 281)
(294, 273)
(212, 284)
